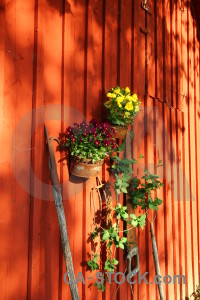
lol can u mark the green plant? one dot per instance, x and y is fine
(100, 286)
(91, 141)
(141, 192)
(122, 172)
(92, 263)
(121, 106)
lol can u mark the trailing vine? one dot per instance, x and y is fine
(141, 192)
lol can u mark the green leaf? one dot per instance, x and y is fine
(142, 220)
(105, 235)
(92, 264)
(153, 206)
(100, 287)
(124, 190)
(134, 221)
(115, 262)
(123, 240)
(121, 245)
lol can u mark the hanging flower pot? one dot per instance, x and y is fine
(121, 106)
(88, 145)
(85, 168)
(120, 131)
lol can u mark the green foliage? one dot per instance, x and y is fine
(100, 286)
(137, 221)
(121, 212)
(111, 236)
(142, 191)
(110, 265)
(93, 262)
(122, 171)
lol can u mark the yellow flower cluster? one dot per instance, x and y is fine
(123, 97)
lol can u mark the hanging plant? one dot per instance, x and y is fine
(88, 145)
(141, 192)
(122, 106)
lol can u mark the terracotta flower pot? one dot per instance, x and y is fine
(120, 131)
(85, 168)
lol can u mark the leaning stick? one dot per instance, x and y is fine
(61, 218)
(156, 261)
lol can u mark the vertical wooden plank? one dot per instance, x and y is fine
(188, 257)
(16, 48)
(181, 225)
(174, 72)
(139, 56)
(38, 144)
(111, 27)
(138, 148)
(110, 77)
(192, 150)
(167, 55)
(140, 291)
(125, 80)
(185, 143)
(74, 108)
(52, 79)
(167, 150)
(193, 158)
(174, 184)
(2, 50)
(161, 216)
(93, 109)
(179, 70)
(151, 169)
(44, 251)
(151, 49)
(125, 43)
(196, 118)
(160, 47)
(181, 161)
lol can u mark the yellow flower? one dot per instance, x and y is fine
(129, 106)
(129, 98)
(117, 91)
(119, 101)
(111, 95)
(134, 98)
(127, 114)
(127, 90)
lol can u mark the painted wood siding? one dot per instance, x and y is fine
(56, 59)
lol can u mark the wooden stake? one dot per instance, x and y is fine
(61, 218)
(156, 260)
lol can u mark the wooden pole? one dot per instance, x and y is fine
(156, 260)
(61, 218)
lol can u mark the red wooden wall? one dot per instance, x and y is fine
(57, 57)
